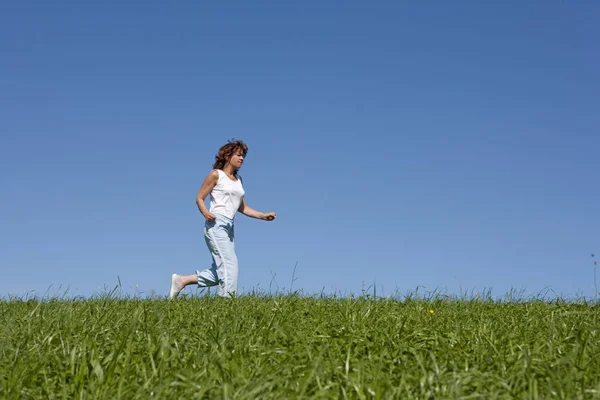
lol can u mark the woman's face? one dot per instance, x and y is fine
(237, 159)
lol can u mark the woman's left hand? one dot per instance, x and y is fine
(270, 216)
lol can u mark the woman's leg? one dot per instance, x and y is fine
(205, 278)
(220, 241)
(186, 280)
(219, 236)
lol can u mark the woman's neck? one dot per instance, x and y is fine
(229, 170)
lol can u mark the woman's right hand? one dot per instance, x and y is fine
(210, 217)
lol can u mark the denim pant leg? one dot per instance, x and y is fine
(219, 236)
(208, 277)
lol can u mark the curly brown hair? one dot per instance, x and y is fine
(226, 151)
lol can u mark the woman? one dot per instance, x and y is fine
(226, 198)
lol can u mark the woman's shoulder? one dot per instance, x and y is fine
(213, 175)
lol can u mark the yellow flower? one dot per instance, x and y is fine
(431, 311)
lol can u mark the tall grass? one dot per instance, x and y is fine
(292, 346)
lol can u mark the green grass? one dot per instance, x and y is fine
(299, 347)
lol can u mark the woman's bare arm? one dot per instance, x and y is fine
(207, 186)
(250, 212)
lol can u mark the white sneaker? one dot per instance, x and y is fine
(176, 287)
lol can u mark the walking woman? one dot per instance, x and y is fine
(226, 198)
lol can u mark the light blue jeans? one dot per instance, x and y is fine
(219, 236)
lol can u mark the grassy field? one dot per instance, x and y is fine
(299, 347)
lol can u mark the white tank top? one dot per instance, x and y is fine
(226, 196)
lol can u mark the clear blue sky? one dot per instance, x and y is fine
(444, 145)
